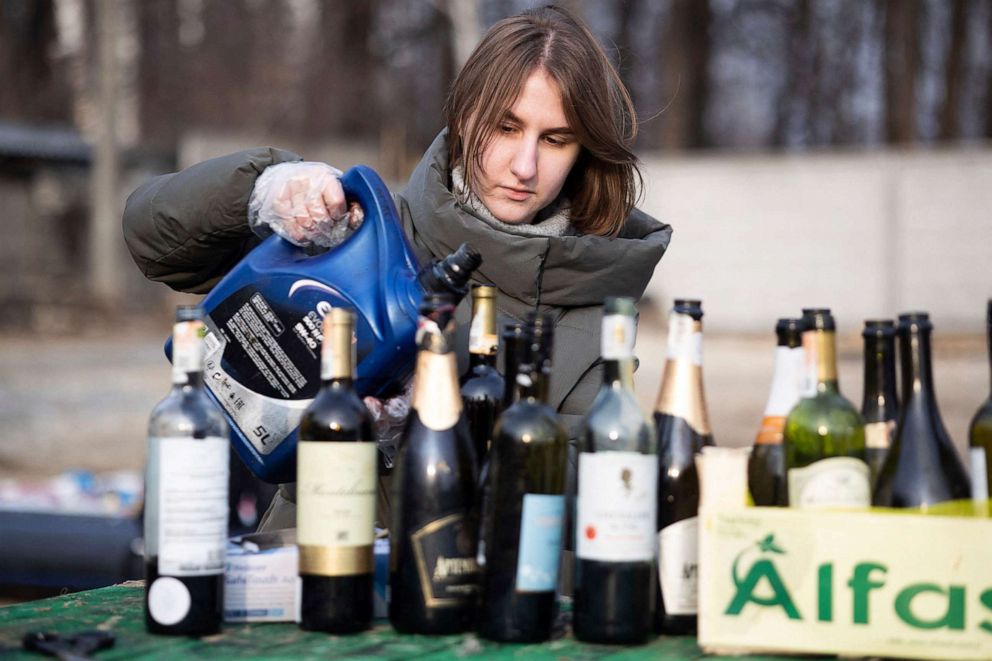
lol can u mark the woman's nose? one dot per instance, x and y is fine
(524, 162)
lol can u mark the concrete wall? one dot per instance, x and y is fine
(868, 234)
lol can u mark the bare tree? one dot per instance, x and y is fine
(684, 56)
(902, 61)
(953, 72)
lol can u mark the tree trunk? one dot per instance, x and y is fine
(949, 122)
(685, 59)
(902, 61)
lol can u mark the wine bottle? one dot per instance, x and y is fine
(616, 519)
(524, 512)
(824, 434)
(683, 429)
(766, 465)
(434, 575)
(186, 483)
(980, 433)
(336, 492)
(922, 467)
(482, 385)
(880, 404)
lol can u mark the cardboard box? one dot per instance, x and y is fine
(261, 581)
(849, 583)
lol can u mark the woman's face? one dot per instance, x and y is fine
(529, 157)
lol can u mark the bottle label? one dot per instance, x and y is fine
(191, 502)
(878, 435)
(169, 600)
(619, 334)
(335, 510)
(979, 475)
(540, 542)
(616, 506)
(678, 566)
(772, 430)
(787, 383)
(187, 349)
(831, 482)
(445, 552)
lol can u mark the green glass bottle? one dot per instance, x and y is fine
(617, 498)
(980, 434)
(879, 404)
(482, 385)
(824, 433)
(525, 510)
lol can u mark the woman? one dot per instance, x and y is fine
(534, 170)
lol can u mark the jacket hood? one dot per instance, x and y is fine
(565, 271)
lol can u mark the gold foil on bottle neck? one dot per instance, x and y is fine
(436, 397)
(483, 337)
(338, 350)
(681, 393)
(820, 348)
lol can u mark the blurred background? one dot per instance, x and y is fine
(807, 152)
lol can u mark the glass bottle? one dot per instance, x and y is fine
(824, 433)
(434, 574)
(336, 492)
(980, 433)
(766, 465)
(880, 404)
(616, 519)
(524, 512)
(482, 385)
(683, 429)
(922, 467)
(186, 495)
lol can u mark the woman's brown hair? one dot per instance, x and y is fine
(603, 184)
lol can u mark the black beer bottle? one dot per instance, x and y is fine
(525, 510)
(434, 574)
(880, 404)
(482, 385)
(922, 468)
(186, 505)
(683, 430)
(616, 520)
(336, 492)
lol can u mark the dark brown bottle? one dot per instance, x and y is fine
(434, 573)
(336, 492)
(880, 404)
(922, 468)
(683, 429)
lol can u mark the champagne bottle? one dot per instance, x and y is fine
(922, 467)
(824, 433)
(880, 404)
(336, 492)
(434, 574)
(524, 512)
(766, 465)
(980, 434)
(482, 386)
(616, 519)
(683, 429)
(186, 483)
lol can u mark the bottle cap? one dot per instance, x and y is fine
(789, 332)
(914, 321)
(878, 328)
(818, 319)
(619, 305)
(690, 306)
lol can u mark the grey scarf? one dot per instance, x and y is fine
(552, 221)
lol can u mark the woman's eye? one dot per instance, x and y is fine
(506, 128)
(555, 141)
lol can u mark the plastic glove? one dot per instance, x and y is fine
(388, 420)
(303, 203)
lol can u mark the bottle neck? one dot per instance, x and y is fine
(917, 374)
(820, 350)
(337, 353)
(880, 374)
(187, 353)
(192, 380)
(528, 385)
(619, 373)
(436, 397)
(787, 381)
(681, 393)
(481, 360)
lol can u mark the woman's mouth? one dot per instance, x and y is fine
(517, 194)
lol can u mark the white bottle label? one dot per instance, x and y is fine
(336, 490)
(678, 566)
(878, 435)
(684, 340)
(616, 506)
(192, 504)
(832, 482)
(168, 600)
(619, 334)
(479, 341)
(979, 475)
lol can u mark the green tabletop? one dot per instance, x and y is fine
(119, 609)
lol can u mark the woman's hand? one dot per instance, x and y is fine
(303, 203)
